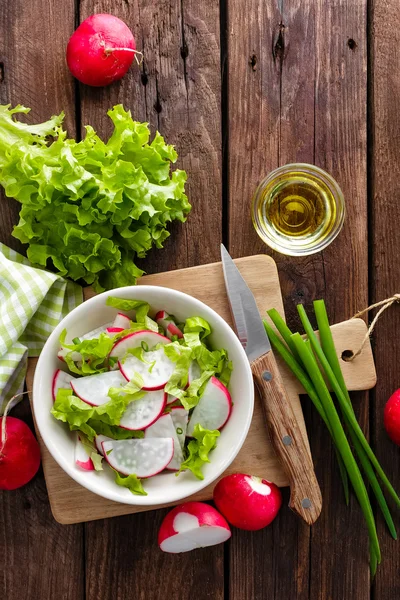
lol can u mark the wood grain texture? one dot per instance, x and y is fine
(71, 503)
(177, 90)
(297, 92)
(287, 439)
(385, 268)
(41, 559)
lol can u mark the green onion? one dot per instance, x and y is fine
(283, 330)
(300, 374)
(76, 341)
(329, 350)
(145, 346)
(311, 365)
(344, 403)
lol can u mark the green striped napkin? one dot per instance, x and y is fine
(32, 303)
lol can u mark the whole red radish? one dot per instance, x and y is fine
(19, 454)
(101, 50)
(391, 417)
(192, 525)
(247, 502)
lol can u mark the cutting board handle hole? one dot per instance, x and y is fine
(347, 355)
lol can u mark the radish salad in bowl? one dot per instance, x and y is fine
(144, 395)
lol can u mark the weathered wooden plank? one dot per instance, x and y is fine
(41, 559)
(177, 89)
(297, 92)
(384, 265)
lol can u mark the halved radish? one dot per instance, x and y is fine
(155, 372)
(164, 428)
(99, 439)
(194, 371)
(93, 389)
(61, 380)
(122, 321)
(143, 458)
(164, 320)
(82, 456)
(179, 416)
(192, 525)
(213, 409)
(113, 330)
(143, 412)
(136, 339)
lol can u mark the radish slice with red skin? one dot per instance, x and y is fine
(179, 416)
(247, 502)
(144, 458)
(155, 372)
(82, 456)
(164, 428)
(61, 380)
(93, 389)
(95, 333)
(135, 340)
(75, 356)
(213, 409)
(192, 525)
(166, 322)
(113, 330)
(122, 321)
(141, 413)
(99, 439)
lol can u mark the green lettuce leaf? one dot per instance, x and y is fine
(113, 431)
(81, 416)
(89, 208)
(132, 482)
(198, 450)
(143, 321)
(94, 354)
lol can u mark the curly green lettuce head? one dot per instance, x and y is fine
(90, 207)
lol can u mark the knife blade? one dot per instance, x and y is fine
(285, 433)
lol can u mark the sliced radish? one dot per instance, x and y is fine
(143, 458)
(171, 399)
(113, 330)
(93, 389)
(194, 371)
(213, 409)
(164, 320)
(143, 412)
(179, 416)
(164, 428)
(190, 526)
(75, 356)
(136, 339)
(155, 372)
(61, 380)
(94, 333)
(122, 321)
(82, 456)
(99, 439)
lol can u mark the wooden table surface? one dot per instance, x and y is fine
(240, 87)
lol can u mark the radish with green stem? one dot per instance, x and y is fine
(101, 50)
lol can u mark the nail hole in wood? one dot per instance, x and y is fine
(347, 355)
(144, 78)
(157, 106)
(184, 51)
(1, 72)
(351, 44)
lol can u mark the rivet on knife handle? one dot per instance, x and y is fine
(287, 439)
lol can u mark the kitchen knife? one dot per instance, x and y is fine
(285, 433)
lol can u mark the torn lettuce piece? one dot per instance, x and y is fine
(94, 354)
(198, 450)
(132, 482)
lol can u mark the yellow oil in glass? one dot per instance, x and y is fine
(297, 210)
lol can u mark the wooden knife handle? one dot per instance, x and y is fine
(287, 439)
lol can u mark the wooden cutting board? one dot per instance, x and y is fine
(71, 503)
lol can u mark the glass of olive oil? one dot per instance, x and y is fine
(298, 209)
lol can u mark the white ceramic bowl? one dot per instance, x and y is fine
(166, 487)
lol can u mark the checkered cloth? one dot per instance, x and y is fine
(32, 303)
